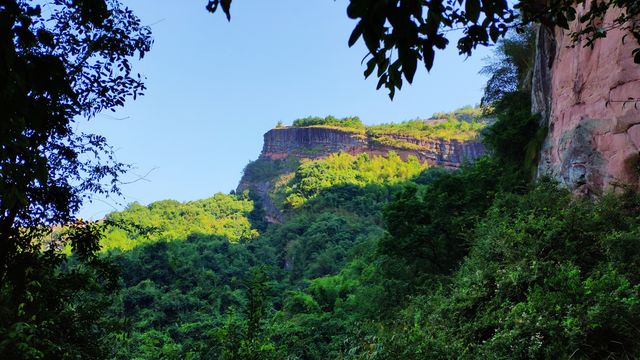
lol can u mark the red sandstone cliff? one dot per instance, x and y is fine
(584, 96)
(317, 142)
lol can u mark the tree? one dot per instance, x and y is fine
(511, 67)
(400, 33)
(245, 338)
(70, 61)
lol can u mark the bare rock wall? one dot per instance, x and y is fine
(317, 142)
(593, 119)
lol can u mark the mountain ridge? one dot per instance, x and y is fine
(285, 147)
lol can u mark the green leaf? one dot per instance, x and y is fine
(571, 14)
(226, 7)
(382, 81)
(355, 34)
(428, 54)
(212, 6)
(440, 42)
(357, 8)
(494, 33)
(409, 65)
(371, 65)
(562, 22)
(472, 8)
(382, 66)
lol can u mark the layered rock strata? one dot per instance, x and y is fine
(317, 142)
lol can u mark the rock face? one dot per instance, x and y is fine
(261, 190)
(588, 99)
(317, 142)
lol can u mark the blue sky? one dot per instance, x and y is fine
(215, 87)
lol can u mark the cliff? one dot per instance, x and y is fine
(283, 147)
(588, 97)
(317, 142)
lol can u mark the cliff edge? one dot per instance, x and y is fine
(284, 147)
(318, 142)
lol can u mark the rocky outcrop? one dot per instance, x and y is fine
(591, 105)
(542, 72)
(308, 142)
(272, 214)
(317, 142)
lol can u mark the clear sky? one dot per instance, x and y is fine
(214, 88)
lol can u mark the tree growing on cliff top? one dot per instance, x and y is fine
(399, 34)
(347, 122)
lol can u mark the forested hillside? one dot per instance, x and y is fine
(372, 255)
(384, 258)
(380, 258)
(189, 270)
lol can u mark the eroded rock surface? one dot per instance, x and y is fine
(593, 119)
(317, 142)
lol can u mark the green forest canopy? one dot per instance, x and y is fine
(478, 263)
(432, 264)
(167, 220)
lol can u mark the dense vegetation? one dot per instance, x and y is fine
(382, 260)
(187, 282)
(461, 124)
(378, 258)
(266, 169)
(449, 127)
(385, 260)
(168, 220)
(547, 276)
(330, 121)
(315, 176)
(59, 61)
